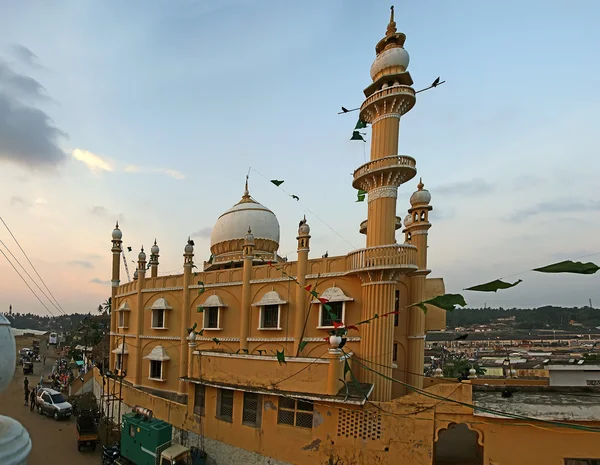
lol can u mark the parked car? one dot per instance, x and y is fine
(52, 403)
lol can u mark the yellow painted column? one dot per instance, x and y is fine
(301, 294)
(192, 348)
(377, 338)
(188, 264)
(248, 254)
(333, 371)
(141, 271)
(416, 333)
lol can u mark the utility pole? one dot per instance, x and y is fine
(122, 375)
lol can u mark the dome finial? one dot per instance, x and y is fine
(117, 225)
(420, 186)
(155, 241)
(391, 28)
(246, 192)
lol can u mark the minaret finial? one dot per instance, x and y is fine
(246, 192)
(117, 225)
(391, 28)
(420, 186)
(155, 241)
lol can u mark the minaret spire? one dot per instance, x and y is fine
(391, 28)
(246, 197)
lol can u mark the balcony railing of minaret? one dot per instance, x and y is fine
(385, 162)
(393, 256)
(394, 90)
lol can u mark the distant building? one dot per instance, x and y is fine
(574, 375)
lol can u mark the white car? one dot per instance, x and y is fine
(52, 403)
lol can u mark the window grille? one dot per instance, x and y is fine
(582, 461)
(359, 424)
(252, 409)
(295, 412)
(156, 369)
(225, 405)
(158, 318)
(327, 317)
(212, 317)
(199, 394)
(270, 316)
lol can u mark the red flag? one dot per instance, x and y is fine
(308, 288)
(326, 339)
(337, 324)
(323, 300)
(270, 263)
(352, 327)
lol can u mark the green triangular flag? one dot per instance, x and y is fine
(346, 367)
(360, 124)
(361, 195)
(215, 340)
(446, 302)
(277, 182)
(357, 136)
(199, 309)
(493, 286)
(569, 267)
(281, 357)
(302, 345)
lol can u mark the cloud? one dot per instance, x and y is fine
(15, 200)
(475, 186)
(91, 160)
(555, 206)
(81, 263)
(99, 210)
(204, 232)
(146, 169)
(24, 54)
(27, 135)
(40, 201)
(13, 83)
(100, 281)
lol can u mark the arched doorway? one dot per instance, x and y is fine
(457, 445)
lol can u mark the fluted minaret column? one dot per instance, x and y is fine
(141, 279)
(117, 235)
(192, 347)
(301, 294)
(154, 250)
(417, 227)
(188, 264)
(383, 261)
(248, 255)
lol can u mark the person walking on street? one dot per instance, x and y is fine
(32, 400)
(44, 359)
(26, 396)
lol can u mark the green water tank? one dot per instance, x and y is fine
(141, 436)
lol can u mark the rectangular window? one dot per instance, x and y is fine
(397, 308)
(295, 412)
(156, 369)
(395, 353)
(121, 319)
(199, 399)
(270, 317)
(158, 318)
(211, 317)
(252, 408)
(225, 405)
(582, 461)
(335, 314)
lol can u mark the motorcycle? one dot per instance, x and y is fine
(111, 454)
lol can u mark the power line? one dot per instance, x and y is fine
(29, 276)
(34, 269)
(26, 283)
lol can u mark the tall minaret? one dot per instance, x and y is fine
(154, 250)
(248, 255)
(188, 265)
(302, 266)
(141, 273)
(383, 261)
(117, 235)
(417, 228)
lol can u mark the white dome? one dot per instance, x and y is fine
(117, 234)
(154, 249)
(396, 56)
(142, 255)
(234, 223)
(420, 196)
(408, 220)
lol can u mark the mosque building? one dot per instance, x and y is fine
(265, 358)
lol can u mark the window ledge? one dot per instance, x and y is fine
(228, 420)
(158, 327)
(212, 329)
(269, 329)
(156, 379)
(123, 327)
(325, 327)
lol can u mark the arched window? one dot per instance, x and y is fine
(212, 313)
(269, 314)
(337, 307)
(159, 313)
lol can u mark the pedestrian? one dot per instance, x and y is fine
(26, 384)
(44, 359)
(32, 400)
(26, 396)
(41, 380)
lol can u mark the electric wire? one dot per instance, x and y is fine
(34, 269)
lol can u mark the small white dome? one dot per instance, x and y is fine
(233, 224)
(396, 56)
(249, 237)
(142, 255)
(420, 196)
(303, 228)
(408, 220)
(188, 249)
(135, 274)
(192, 337)
(117, 234)
(154, 249)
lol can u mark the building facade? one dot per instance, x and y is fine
(239, 355)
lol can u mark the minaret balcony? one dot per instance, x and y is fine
(387, 171)
(397, 99)
(399, 257)
(363, 225)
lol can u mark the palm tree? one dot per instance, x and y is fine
(106, 306)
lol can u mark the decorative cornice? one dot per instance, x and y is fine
(382, 192)
(416, 337)
(272, 280)
(164, 338)
(222, 339)
(234, 283)
(370, 283)
(163, 289)
(127, 294)
(320, 339)
(271, 339)
(270, 358)
(420, 232)
(389, 115)
(326, 275)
